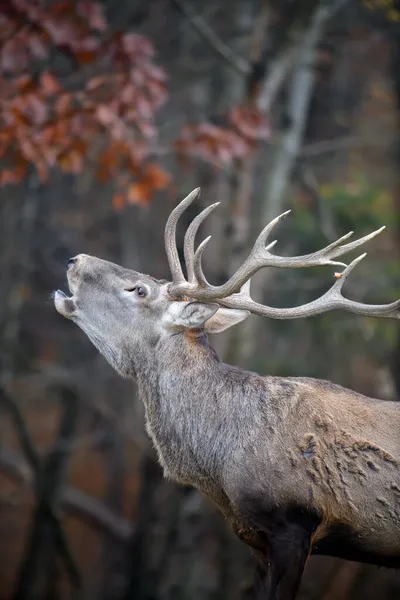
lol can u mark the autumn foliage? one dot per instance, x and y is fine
(98, 103)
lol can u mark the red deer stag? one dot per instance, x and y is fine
(296, 465)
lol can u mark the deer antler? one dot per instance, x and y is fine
(235, 293)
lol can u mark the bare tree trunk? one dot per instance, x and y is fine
(262, 86)
(299, 97)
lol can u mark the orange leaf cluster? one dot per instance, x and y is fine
(152, 178)
(221, 145)
(53, 119)
(50, 120)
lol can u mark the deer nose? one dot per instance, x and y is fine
(71, 262)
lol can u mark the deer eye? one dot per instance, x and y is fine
(138, 290)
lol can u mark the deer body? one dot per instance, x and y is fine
(297, 465)
(340, 448)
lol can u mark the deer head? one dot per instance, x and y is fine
(124, 312)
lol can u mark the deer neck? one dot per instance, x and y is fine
(183, 415)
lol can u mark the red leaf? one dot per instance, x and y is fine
(72, 162)
(7, 176)
(139, 193)
(28, 150)
(63, 104)
(25, 83)
(128, 94)
(155, 72)
(158, 177)
(110, 160)
(94, 13)
(20, 119)
(62, 8)
(250, 123)
(143, 107)
(50, 84)
(147, 130)
(37, 108)
(61, 31)
(38, 46)
(137, 46)
(96, 82)
(85, 56)
(14, 56)
(157, 92)
(105, 115)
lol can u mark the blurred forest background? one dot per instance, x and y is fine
(111, 112)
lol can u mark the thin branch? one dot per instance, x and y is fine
(277, 73)
(225, 51)
(309, 183)
(73, 501)
(33, 459)
(96, 513)
(339, 143)
(47, 533)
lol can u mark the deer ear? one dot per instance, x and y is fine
(189, 315)
(225, 318)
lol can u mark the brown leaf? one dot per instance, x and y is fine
(25, 83)
(96, 82)
(62, 8)
(14, 56)
(158, 177)
(137, 46)
(86, 56)
(7, 176)
(139, 193)
(155, 72)
(38, 46)
(105, 115)
(28, 149)
(19, 117)
(147, 129)
(128, 94)
(157, 91)
(143, 107)
(250, 123)
(61, 31)
(50, 84)
(37, 108)
(63, 103)
(93, 12)
(71, 162)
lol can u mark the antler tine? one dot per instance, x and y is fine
(352, 245)
(170, 237)
(189, 241)
(260, 242)
(197, 267)
(331, 300)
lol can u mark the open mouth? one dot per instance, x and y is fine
(64, 304)
(61, 294)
